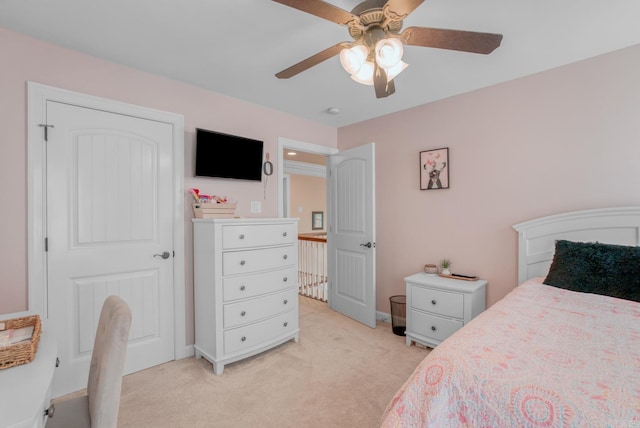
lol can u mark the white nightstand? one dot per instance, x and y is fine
(437, 307)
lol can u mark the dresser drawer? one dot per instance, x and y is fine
(253, 235)
(252, 310)
(245, 338)
(437, 301)
(239, 262)
(433, 326)
(241, 287)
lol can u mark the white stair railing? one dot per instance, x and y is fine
(312, 265)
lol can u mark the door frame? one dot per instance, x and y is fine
(297, 145)
(38, 95)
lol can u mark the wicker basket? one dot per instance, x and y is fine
(212, 210)
(430, 269)
(23, 352)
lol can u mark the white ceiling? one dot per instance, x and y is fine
(235, 47)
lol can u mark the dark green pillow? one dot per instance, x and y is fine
(591, 267)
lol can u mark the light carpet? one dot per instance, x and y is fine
(340, 374)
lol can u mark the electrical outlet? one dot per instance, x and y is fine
(256, 207)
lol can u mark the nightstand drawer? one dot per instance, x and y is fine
(432, 326)
(438, 302)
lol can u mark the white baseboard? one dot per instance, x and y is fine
(188, 351)
(383, 316)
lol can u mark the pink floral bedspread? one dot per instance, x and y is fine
(541, 357)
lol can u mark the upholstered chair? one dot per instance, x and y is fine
(99, 407)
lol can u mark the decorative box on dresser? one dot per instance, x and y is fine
(245, 287)
(437, 307)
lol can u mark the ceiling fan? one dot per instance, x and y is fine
(375, 55)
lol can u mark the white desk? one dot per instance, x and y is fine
(25, 390)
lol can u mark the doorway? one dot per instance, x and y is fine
(305, 197)
(350, 219)
(312, 277)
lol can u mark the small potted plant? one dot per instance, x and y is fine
(444, 265)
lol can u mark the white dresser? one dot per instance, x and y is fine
(245, 287)
(25, 390)
(437, 307)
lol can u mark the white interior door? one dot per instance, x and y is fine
(109, 212)
(351, 233)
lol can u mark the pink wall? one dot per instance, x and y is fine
(27, 59)
(561, 140)
(566, 139)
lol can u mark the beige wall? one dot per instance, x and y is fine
(566, 139)
(308, 194)
(27, 59)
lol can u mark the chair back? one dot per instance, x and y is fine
(107, 363)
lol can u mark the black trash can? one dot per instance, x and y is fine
(398, 314)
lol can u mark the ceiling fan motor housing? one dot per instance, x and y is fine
(371, 15)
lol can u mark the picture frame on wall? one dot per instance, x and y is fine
(317, 220)
(434, 169)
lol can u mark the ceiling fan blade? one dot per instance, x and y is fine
(397, 10)
(322, 9)
(312, 60)
(466, 41)
(383, 87)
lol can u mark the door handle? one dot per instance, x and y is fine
(165, 255)
(368, 245)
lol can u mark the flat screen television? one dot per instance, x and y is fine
(227, 156)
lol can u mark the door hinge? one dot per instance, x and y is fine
(46, 244)
(46, 130)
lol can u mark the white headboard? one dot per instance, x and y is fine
(536, 238)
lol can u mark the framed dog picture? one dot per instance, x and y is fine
(434, 169)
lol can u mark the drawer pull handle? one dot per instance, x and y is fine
(57, 362)
(433, 302)
(242, 262)
(241, 236)
(285, 301)
(284, 234)
(243, 338)
(243, 313)
(285, 324)
(433, 328)
(50, 411)
(242, 288)
(285, 279)
(285, 257)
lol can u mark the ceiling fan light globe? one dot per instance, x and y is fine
(395, 70)
(365, 74)
(352, 59)
(389, 52)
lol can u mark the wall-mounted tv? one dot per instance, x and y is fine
(227, 156)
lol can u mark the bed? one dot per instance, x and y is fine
(543, 356)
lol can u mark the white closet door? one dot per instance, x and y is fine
(109, 211)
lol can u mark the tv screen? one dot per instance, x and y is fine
(227, 156)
